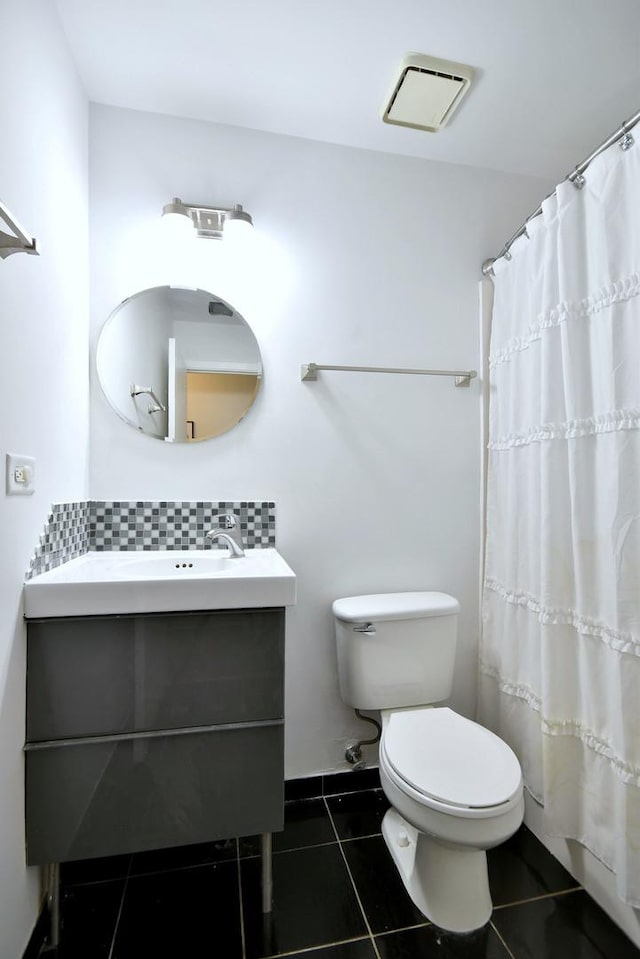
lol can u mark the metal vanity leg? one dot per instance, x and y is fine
(54, 905)
(267, 876)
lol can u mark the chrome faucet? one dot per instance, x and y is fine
(229, 533)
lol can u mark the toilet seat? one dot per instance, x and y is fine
(443, 759)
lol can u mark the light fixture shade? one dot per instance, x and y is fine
(237, 231)
(176, 218)
(237, 224)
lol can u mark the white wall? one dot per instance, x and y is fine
(228, 345)
(361, 258)
(43, 370)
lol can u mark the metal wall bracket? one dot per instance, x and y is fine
(157, 406)
(309, 373)
(207, 221)
(19, 242)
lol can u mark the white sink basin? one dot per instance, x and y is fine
(100, 583)
(176, 564)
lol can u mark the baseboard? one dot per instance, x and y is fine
(39, 936)
(332, 784)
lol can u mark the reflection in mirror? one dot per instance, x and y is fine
(178, 364)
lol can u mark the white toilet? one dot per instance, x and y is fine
(455, 788)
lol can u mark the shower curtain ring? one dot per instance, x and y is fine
(627, 141)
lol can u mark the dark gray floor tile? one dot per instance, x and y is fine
(346, 950)
(249, 846)
(182, 857)
(562, 927)
(88, 916)
(353, 780)
(385, 900)
(306, 823)
(358, 814)
(522, 868)
(309, 788)
(189, 912)
(313, 903)
(94, 870)
(171, 909)
(429, 941)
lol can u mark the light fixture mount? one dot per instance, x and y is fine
(208, 220)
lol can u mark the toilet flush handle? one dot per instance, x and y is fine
(367, 628)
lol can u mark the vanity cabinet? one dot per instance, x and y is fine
(152, 730)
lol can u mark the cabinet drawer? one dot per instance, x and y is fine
(151, 791)
(116, 674)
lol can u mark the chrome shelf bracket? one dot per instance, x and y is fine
(16, 242)
(157, 406)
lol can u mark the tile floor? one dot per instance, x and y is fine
(336, 896)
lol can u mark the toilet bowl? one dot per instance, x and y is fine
(460, 782)
(455, 788)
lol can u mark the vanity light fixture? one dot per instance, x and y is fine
(211, 222)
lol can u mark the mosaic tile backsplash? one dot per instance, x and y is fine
(165, 525)
(73, 529)
(65, 536)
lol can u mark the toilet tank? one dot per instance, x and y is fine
(396, 649)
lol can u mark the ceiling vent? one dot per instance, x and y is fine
(427, 92)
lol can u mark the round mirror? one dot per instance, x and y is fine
(178, 364)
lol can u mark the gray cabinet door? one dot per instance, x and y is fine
(131, 793)
(118, 674)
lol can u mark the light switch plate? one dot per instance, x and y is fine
(20, 475)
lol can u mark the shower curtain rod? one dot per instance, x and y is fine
(626, 140)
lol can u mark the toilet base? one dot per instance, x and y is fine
(449, 885)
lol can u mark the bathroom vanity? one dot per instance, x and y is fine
(152, 730)
(149, 728)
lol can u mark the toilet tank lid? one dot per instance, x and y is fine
(380, 606)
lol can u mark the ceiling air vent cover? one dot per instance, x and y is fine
(427, 93)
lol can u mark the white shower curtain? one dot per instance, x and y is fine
(560, 652)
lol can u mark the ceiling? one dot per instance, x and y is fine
(554, 77)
